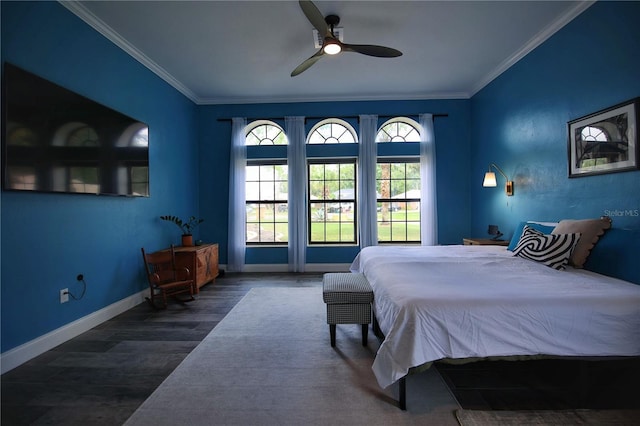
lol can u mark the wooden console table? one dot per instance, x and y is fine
(201, 260)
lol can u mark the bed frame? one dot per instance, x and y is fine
(583, 378)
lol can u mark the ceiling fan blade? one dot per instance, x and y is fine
(314, 16)
(372, 50)
(306, 64)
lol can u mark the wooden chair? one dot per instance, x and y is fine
(165, 280)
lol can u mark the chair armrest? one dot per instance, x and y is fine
(183, 273)
(160, 277)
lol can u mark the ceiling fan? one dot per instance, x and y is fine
(332, 45)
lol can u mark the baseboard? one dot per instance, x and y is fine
(23, 353)
(310, 267)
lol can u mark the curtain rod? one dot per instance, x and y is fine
(335, 116)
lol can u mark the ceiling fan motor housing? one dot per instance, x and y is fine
(332, 20)
(318, 39)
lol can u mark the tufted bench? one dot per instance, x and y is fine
(348, 297)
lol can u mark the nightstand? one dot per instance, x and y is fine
(484, 242)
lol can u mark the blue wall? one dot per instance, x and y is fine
(519, 121)
(452, 156)
(47, 239)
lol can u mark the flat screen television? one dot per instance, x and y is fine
(55, 140)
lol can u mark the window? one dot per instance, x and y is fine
(597, 148)
(332, 131)
(21, 177)
(118, 168)
(265, 133)
(139, 179)
(131, 172)
(331, 183)
(266, 185)
(399, 130)
(84, 180)
(592, 133)
(332, 201)
(83, 136)
(83, 174)
(267, 210)
(21, 136)
(398, 185)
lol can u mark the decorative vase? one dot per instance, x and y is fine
(187, 240)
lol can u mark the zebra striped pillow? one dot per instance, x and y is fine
(552, 250)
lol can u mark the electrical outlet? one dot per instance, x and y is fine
(64, 295)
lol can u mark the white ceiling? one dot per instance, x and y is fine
(218, 52)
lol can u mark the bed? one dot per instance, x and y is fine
(476, 302)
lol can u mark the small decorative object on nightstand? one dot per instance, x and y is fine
(484, 242)
(493, 230)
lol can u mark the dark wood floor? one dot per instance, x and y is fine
(103, 375)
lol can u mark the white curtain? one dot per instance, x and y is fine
(237, 207)
(296, 159)
(428, 205)
(367, 181)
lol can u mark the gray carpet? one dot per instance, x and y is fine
(270, 362)
(549, 417)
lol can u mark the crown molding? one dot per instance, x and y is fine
(536, 41)
(333, 98)
(96, 23)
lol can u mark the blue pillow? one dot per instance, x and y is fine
(545, 229)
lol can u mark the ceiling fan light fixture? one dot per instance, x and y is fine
(318, 38)
(332, 47)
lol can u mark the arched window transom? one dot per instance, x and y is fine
(265, 133)
(399, 129)
(332, 131)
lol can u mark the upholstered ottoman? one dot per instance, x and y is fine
(348, 297)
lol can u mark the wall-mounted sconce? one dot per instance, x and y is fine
(490, 179)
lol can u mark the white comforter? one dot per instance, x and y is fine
(479, 301)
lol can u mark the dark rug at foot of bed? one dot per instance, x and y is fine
(548, 417)
(544, 384)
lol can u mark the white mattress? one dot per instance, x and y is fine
(435, 302)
